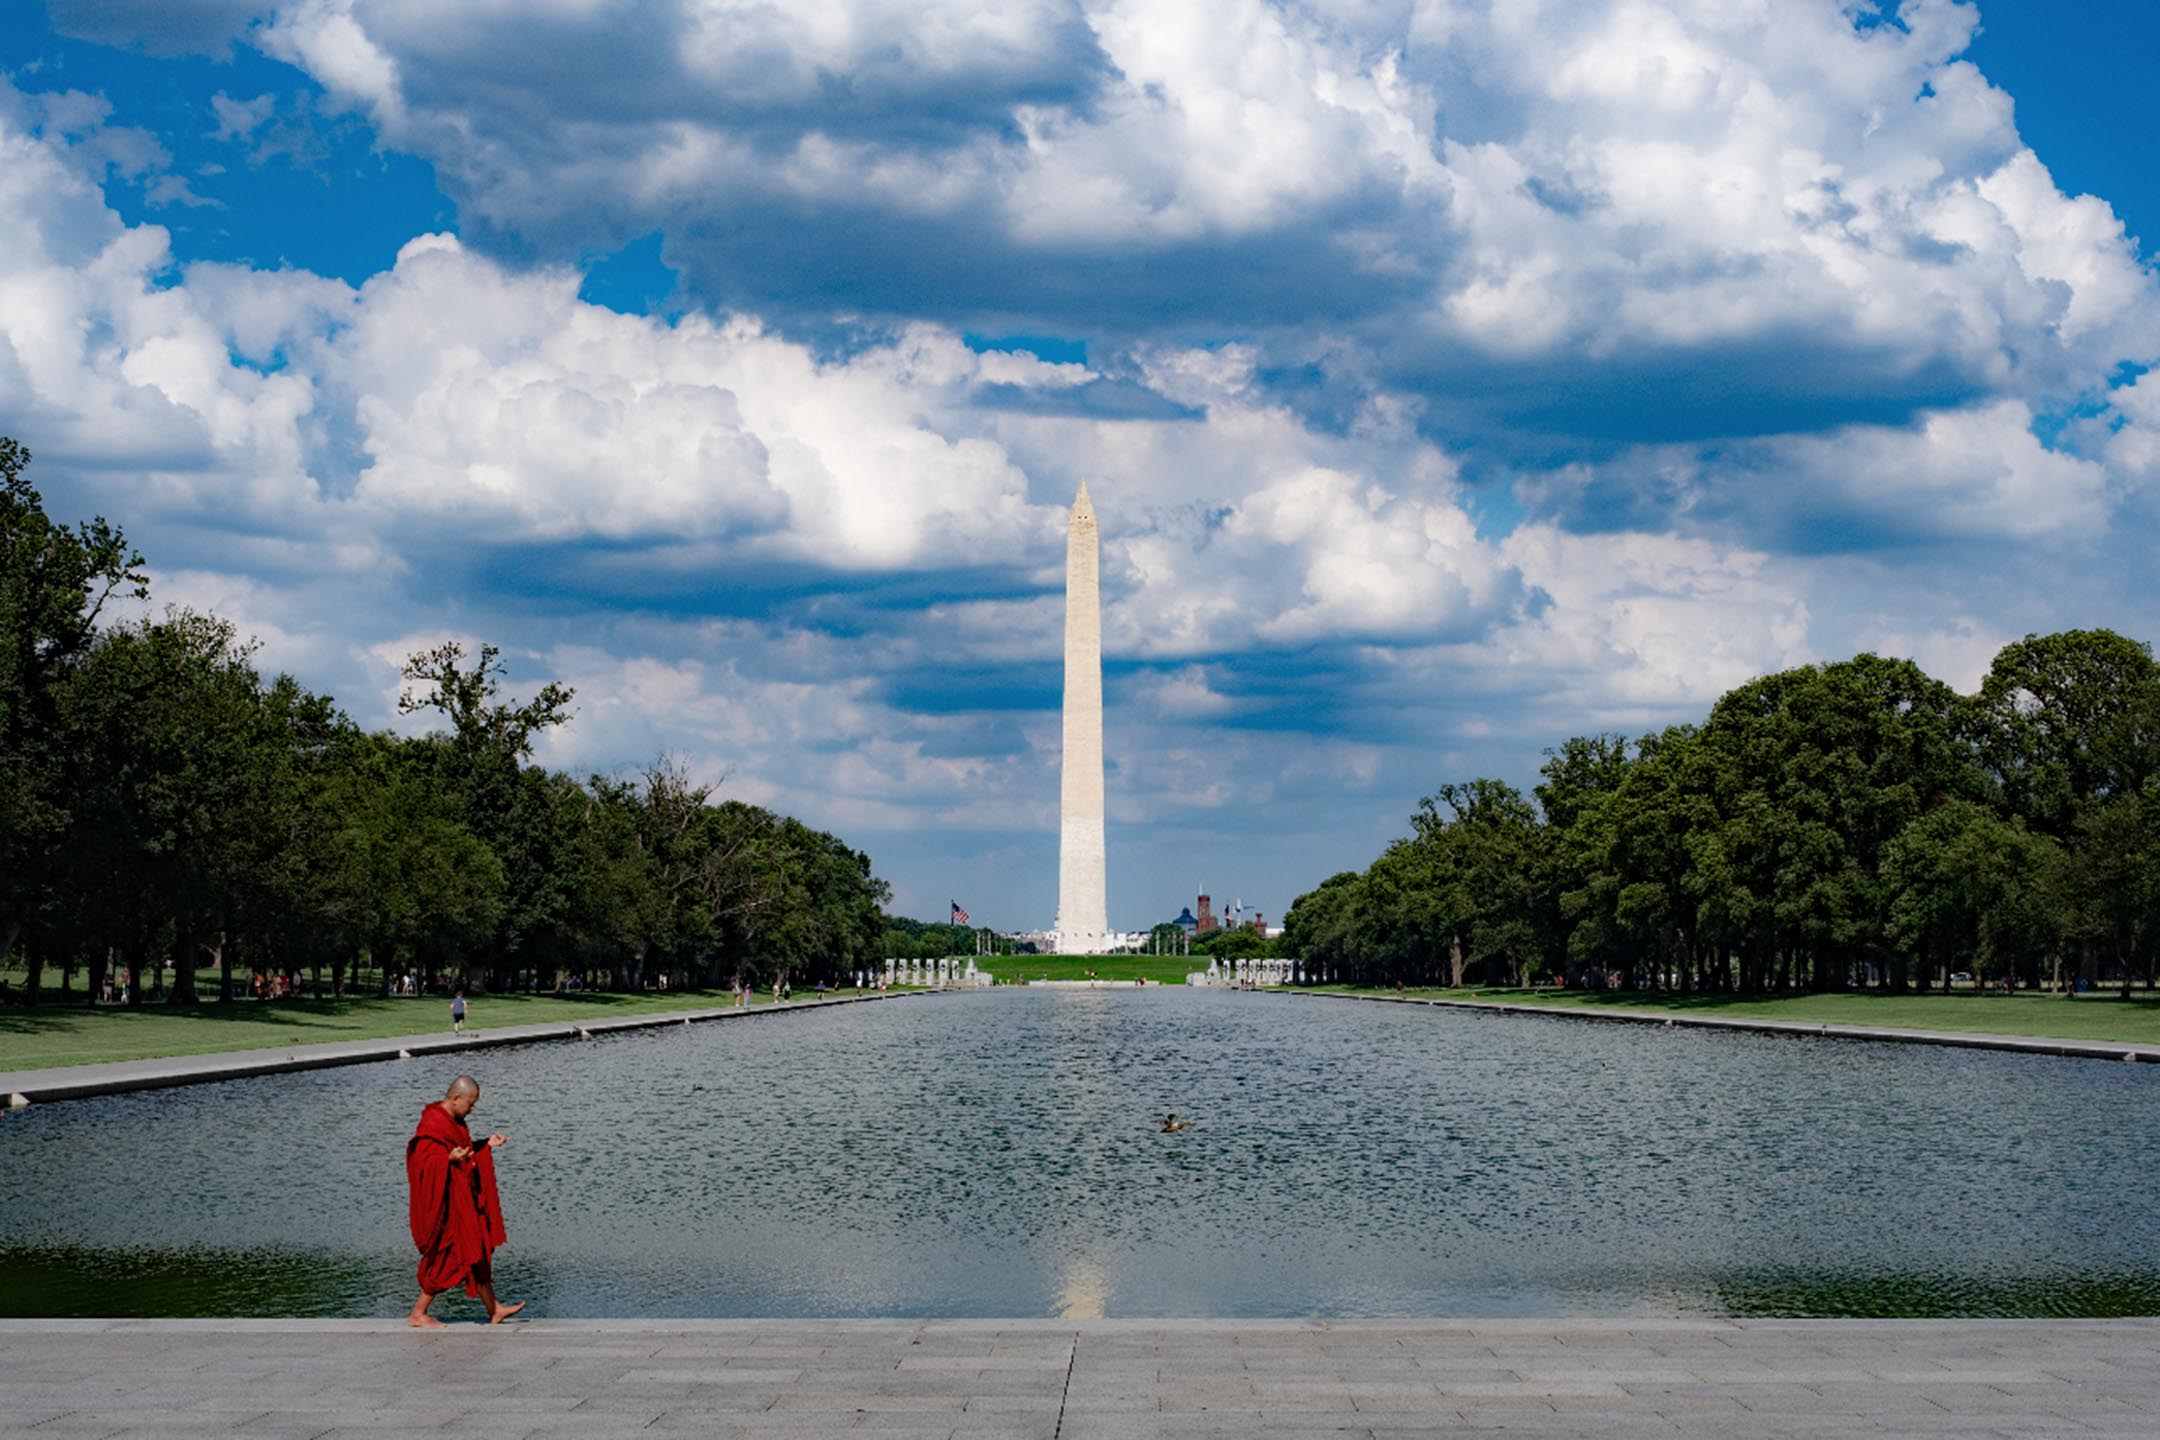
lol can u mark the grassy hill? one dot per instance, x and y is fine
(1155, 969)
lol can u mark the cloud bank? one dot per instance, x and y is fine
(1455, 376)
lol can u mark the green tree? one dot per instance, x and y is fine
(1627, 863)
(2069, 720)
(1321, 926)
(1241, 942)
(175, 783)
(1840, 758)
(1483, 849)
(428, 891)
(1969, 888)
(55, 581)
(520, 816)
(2068, 725)
(2111, 895)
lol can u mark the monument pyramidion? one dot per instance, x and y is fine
(1083, 925)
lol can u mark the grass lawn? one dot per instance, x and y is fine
(1155, 969)
(2100, 1015)
(74, 1035)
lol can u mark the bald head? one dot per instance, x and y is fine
(463, 1094)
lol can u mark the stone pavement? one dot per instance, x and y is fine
(113, 1077)
(1956, 1039)
(1079, 1380)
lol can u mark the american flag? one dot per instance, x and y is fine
(959, 916)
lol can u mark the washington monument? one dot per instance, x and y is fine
(1083, 925)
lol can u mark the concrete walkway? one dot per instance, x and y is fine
(1084, 1380)
(1958, 1039)
(75, 1082)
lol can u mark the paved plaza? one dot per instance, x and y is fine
(1079, 1380)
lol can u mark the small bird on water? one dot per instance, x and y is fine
(1171, 1125)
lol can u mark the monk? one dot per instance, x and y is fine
(456, 1214)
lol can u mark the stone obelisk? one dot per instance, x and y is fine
(1083, 924)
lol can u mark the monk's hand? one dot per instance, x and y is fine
(461, 1152)
(497, 1140)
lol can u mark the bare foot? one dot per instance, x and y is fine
(424, 1322)
(504, 1312)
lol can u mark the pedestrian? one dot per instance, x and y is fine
(457, 1012)
(454, 1210)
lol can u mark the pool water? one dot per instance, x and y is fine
(999, 1153)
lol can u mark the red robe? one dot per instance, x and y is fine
(456, 1214)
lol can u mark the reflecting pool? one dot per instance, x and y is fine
(999, 1153)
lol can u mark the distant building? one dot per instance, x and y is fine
(1205, 925)
(1259, 923)
(1185, 921)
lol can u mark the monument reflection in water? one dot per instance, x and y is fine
(997, 1153)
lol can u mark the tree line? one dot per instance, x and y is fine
(909, 939)
(1843, 825)
(1228, 942)
(165, 807)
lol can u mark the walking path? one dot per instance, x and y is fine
(75, 1082)
(1081, 1380)
(1961, 1039)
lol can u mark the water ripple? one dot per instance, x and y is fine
(997, 1154)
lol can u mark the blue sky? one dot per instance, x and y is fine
(1451, 377)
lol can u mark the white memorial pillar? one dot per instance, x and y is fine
(1083, 909)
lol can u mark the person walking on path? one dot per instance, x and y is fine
(455, 1213)
(457, 1013)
